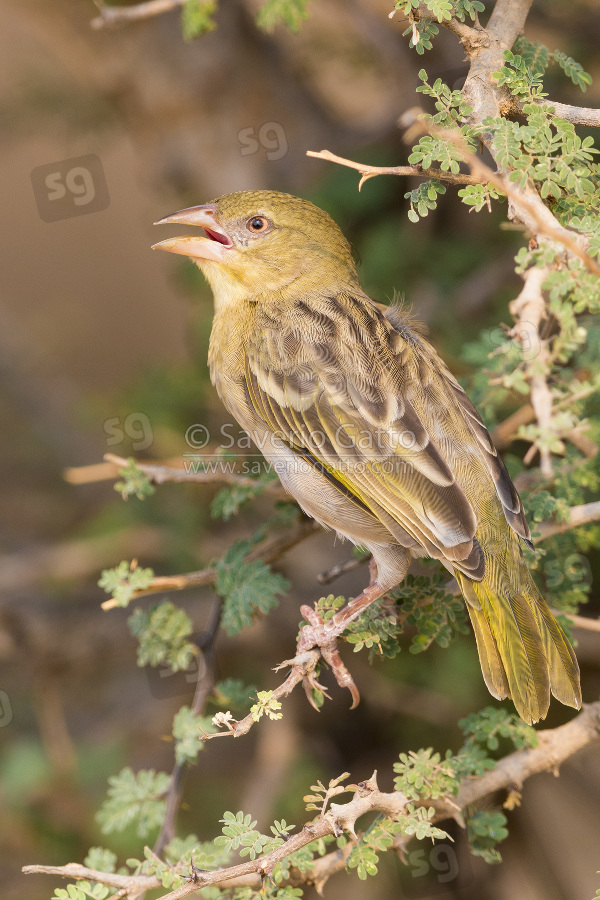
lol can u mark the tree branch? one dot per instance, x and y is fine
(528, 207)
(578, 515)
(268, 551)
(529, 308)
(554, 747)
(163, 473)
(577, 115)
(371, 171)
(115, 16)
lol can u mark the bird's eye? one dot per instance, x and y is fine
(257, 223)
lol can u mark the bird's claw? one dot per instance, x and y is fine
(317, 634)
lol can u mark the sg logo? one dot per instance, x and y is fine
(435, 871)
(165, 684)
(271, 136)
(135, 426)
(73, 187)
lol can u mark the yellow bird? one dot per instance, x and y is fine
(370, 432)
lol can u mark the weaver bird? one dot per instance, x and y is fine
(370, 433)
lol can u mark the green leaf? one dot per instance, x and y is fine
(188, 729)
(163, 631)
(134, 798)
(485, 829)
(470, 8)
(573, 70)
(288, 12)
(135, 482)
(267, 705)
(101, 859)
(122, 581)
(247, 588)
(487, 726)
(232, 693)
(425, 774)
(197, 18)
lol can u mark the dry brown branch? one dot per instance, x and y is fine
(529, 309)
(268, 551)
(554, 747)
(579, 439)
(204, 686)
(160, 474)
(506, 23)
(302, 667)
(508, 429)
(371, 171)
(578, 515)
(503, 434)
(525, 206)
(349, 565)
(115, 16)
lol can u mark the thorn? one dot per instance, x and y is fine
(196, 876)
(367, 787)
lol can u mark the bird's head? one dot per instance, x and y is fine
(257, 243)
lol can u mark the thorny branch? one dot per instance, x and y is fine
(554, 747)
(529, 309)
(371, 171)
(159, 474)
(268, 551)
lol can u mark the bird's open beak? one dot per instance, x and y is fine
(213, 246)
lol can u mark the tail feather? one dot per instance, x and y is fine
(562, 662)
(491, 662)
(523, 652)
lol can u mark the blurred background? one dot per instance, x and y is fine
(103, 349)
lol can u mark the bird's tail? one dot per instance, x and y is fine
(523, 651)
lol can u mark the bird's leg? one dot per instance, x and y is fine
(324, 635)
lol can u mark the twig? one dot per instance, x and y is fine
(204, 686)
(115, 16)
(578, 515)
(78, 872)
(471, 37)
(302, 667)
(528, 207)
(160, 474)
(268, 551)
(371, 171)
(503, 433)
(554, 747)
(340, 569)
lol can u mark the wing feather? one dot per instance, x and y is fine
(346, 396)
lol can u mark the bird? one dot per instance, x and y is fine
(370, 432)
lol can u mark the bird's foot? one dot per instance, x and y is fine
(317, 633)
(323, 635)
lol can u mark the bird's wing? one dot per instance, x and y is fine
(374, 409)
